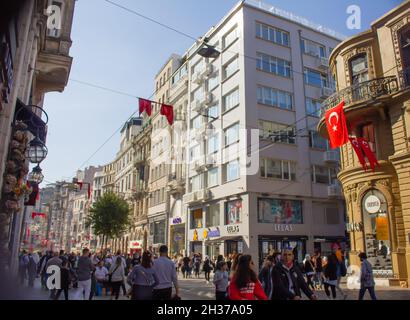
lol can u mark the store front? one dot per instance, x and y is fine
(135, 246)
(376, 232)
(326, 245)
(272, 244)
(177, 238)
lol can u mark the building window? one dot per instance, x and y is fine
(231, 100)
(313, 48)
(213, 82)
(324, 175)
(196, 219)
(233, 212)
(232, 170)
(213, 144)
(274, 97)
(313, 107)
(196, 183)
(277, 132)
(317, 142)
(359, 69)
(198, 67)
(273, 65)
(279, 211)
(368, 133)
(272, 34)
(180, 74)
(278, 169)
(332, 216)
(405, 53)
(315, 78)
(230, 68)
(231, 134)
(213, 177)
(159, 232)
(195, 152)
(196, 122)
(212, 215)
(213, 112)
(230, 37)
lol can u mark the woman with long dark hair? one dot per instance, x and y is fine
(143, 278)
(244, 284)
(116, 277)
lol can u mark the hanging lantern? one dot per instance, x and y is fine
(36, 175)
(36, 151)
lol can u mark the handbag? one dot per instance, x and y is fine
(110, 274)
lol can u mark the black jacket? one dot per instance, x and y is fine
(308, 266)
(330, 269)
(318, 267)
(280, 279)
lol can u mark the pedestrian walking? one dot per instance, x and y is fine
(23, 263)
(56, 262)
(65, 280)
(116, 277)
(309, 270)
(318, 270)
(124, 265)
(234, 264)
(143, 278)
(265, 275)
(366, 278)
(100, 274)
(31, 270)
(185, 266)
(245, 284)
(341, 271)
(165, 271)
(288, 280)
(84, 269)
(207, 268)
(330, 272)
(197, 265)
(221, 280)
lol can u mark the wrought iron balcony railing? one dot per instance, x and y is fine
(363, 91)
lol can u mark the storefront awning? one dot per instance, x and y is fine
(223, 239)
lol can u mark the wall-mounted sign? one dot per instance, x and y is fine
(177, 220)
(214, 233)
(283, 227)
(195, 237)
(354, 226)
(232, 229)
(205, 233)
(372, 204)
(135, 244)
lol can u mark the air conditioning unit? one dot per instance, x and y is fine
(323, 63)
(199, 165)
(197, 106)
(331, 157)
(333, 191)
(326, 92)
(197, 78)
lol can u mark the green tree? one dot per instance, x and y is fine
(109, 217)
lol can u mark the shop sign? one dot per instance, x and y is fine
(214, 233)
(135, 244)
(195, 237)
(372, 204)
(177, 220)
(283, 227)
(354, 226)
(232, 229)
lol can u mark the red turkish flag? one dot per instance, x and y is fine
(89, 191)
(336, 126)
(168, 111)
(368, 152)
(358, 149)
(145, 105)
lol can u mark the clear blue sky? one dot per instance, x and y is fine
(119, 50)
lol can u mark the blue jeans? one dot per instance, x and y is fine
(363, 291)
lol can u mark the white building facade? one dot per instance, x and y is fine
(258, 191)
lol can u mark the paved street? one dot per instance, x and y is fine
(198, 289)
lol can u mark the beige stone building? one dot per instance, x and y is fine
(35, 43)
(372, 71)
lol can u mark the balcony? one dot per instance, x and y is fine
(331, 157)
(323, 63)
(333, 191)
(362, 96)
(197, 196)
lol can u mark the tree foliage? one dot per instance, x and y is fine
(109, 216)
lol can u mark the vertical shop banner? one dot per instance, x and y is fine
(382, 229)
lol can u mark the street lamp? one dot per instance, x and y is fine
(36, 175)
(36, 151)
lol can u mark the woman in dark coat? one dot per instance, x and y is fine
(330, 272)
(207, 268)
